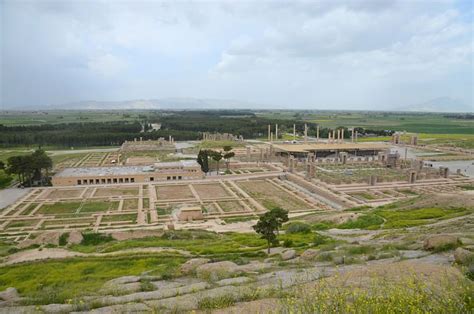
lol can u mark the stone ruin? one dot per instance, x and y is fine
(207, 136)
(148, 145)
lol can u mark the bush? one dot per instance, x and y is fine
(322, 225)
(288, 243)
(209, 303)
(63, 238)
(360, 249)
(369, 221)
(319, 239)
(298, 227)
(95, 238)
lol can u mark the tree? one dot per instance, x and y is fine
(2, 165)
(228, 155)
(203, 160)
(29, 167)
(41, 161)
(217, 157)
(280, 215)
(269, 224)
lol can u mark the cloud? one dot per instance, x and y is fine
(311, 54)
(107, 65)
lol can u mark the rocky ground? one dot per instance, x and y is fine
(432, 262)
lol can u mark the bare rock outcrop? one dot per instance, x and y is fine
(190, 266)
(288, 254)
(440, 241)
(309, 254)
(216, 271)
(463, 256)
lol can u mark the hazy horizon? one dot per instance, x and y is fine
(345, 55)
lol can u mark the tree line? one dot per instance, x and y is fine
(182, 125)
(30, 169)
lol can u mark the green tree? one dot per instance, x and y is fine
(203, 160)
(41, 161)
(228, 154)
(217, 157)
(280, 215)
(29, 167)
(269, 224)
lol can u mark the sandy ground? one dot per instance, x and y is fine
(10, 196)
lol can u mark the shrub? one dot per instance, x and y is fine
(209, 303)
(63, 238)
(95, 238)
(360, 249)
(298, 227)
(319, 239)
(146, 285)
(369, 221)
(322, 225)
(288, 243)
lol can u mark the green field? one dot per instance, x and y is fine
(65, 116)
(411, 122)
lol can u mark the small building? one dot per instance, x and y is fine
(164, 171)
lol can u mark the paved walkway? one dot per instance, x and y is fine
(10, 196)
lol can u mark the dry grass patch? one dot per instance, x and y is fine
(231, 206)
(60, 193)
(270, 196)
(173, 192)
(116, 192)
(210, 191)
(130, 204)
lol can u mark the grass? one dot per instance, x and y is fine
(196, 242)
(57, 281)
(123, 217)
(59, 208)
(22, 223)
(415, 217)
(364, 195)
(368, 221)
(407, 295)
(98, 206)
(95, 238)
(467, 187)
(209, 303)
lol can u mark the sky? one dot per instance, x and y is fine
(377, 54)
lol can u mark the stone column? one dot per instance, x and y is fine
(269, 131)
(276, 132)
(373, 180)
(291, 164)
(305, 133)
(294, 132)
(317, 133)
(356, 136)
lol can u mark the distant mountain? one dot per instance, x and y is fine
(165, 103)
(441, 104)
